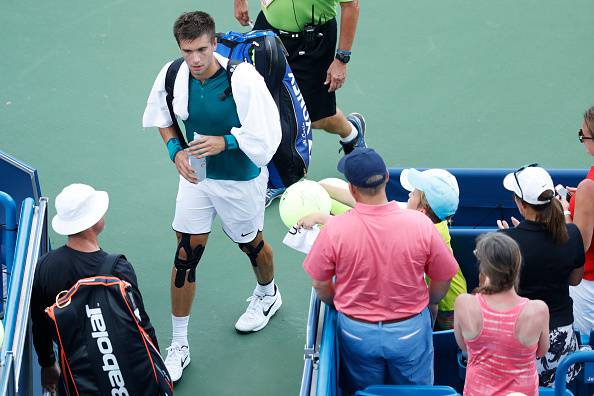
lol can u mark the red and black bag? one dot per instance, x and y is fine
(103, 348)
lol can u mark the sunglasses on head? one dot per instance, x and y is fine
(516, 177)
(582, 136)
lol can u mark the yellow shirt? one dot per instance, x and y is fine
(458, 283)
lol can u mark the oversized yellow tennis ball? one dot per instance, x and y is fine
(339, 208)
(301, 199)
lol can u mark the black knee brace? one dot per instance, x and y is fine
(252, 252)
(189, 264)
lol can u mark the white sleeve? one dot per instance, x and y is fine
(260, 131)
(156, 113)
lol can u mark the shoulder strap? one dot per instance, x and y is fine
(169, 83)
(231, 66)
(109, 264)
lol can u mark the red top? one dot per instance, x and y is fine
(589, 267)
(498, 363)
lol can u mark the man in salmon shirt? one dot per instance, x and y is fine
(378, 254)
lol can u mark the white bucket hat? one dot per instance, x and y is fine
(78, 207)
(528, 183)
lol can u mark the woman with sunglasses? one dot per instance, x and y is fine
(553, 259)
(502, 332)
(580, 211)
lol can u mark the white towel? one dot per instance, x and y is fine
(260, 131)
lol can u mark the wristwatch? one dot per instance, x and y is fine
(343, 56)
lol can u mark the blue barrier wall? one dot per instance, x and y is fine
(483, 200)
(19, 181)
(19, 371)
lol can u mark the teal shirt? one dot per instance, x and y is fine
(211, 116)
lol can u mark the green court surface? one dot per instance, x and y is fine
(449, 84)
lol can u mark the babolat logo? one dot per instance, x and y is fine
(307, 130)
(110, 363)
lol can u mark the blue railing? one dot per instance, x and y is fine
(9, 231)
(16, 354)
(577, 357)
(12, 303)
(328, 365)
(14, 291)
(310, 353)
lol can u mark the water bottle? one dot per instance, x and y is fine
(199, 164)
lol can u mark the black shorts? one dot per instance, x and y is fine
(309, 60)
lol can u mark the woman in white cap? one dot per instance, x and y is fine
(435, 193)
(553, 259)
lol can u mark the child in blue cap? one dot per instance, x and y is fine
(435, 192)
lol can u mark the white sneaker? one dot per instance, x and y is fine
(178, 357)
(259, 312)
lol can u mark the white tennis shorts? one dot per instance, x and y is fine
(239, 204)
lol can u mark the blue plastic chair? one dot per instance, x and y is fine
(408, 390)
(542, 391)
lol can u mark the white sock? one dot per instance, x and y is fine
(351, 136)
(180, 329)
(266, 289)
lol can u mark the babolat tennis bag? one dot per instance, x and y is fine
(265, 51)
(103, 348)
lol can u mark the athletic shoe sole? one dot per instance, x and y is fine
(361, 119)
(267, 203)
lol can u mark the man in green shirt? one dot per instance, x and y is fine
(308, 31)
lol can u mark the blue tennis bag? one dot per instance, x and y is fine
(265, 51)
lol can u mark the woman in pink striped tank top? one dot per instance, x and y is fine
(502, 332)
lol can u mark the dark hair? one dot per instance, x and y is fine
(589, 118)
(499, 259)
(551, 215)
(371, 191)
(191, 25)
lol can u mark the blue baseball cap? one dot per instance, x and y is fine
(363, 167)
(439, 186)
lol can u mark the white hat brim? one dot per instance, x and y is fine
(99, 205)
(510, 184)
(404, 180)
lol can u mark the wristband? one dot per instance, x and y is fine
(344, 52)
(173, 147)
(230, 142)
(566, 213)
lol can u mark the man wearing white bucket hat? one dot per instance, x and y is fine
(80, 216)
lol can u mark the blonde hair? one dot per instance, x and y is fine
(424, 204)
